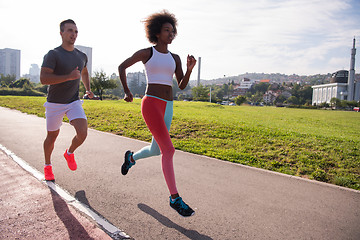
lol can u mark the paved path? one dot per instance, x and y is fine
(31, 210)
(231, 201)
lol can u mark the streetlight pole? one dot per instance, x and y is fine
(210, 95)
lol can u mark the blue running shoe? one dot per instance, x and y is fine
(181, 207)
(127, 163)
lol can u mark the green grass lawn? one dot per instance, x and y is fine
(316, 144)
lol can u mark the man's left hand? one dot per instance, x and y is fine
(90, 94)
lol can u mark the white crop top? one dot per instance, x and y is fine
(160, 68)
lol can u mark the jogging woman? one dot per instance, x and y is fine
(157, 104)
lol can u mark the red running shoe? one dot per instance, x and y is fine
(70, 158)
(49, 176)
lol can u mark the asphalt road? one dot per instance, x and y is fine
(231, 201)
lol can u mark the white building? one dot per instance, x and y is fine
(34, 73)
(138, 78)
(342, 85)
(269, 97)
(246, 83)
(10, 62)
(243, 87)
(88, 52)
(338, 88)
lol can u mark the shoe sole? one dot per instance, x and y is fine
(125, 170)
(183, 215)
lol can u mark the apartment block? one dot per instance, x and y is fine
(10, 62)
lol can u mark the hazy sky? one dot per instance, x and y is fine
(231, 36)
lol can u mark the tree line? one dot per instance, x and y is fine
(110, 88)
(300, 95)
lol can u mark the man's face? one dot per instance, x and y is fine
(70, 33)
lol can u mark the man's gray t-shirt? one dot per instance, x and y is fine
(63, 62)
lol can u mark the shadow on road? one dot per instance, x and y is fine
(73, 226)
(81, 197)
(192, 234)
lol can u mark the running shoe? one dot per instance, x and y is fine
(49, 175)
(70, 158)
(181, 207)
(127, 163)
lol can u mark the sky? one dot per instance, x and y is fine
(232, 37)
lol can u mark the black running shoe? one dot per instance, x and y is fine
(181, 207)
(127, 163)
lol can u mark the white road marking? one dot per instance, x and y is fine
(112, 230)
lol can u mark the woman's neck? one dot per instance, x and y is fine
(163, 48)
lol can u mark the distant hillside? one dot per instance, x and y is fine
(273, 77)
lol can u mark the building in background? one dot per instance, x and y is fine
(136, 78)
(88, 52)
(10, 62)
(342, 85)
(34, 73)
(243, 87)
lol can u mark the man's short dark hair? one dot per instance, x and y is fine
(62, 24)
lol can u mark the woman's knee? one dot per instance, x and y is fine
(155, 151)
(169, 152)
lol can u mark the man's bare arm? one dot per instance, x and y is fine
(47, 76)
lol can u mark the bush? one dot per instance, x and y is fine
(240, 100)
(20, 92)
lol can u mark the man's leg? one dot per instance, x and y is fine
(49, 145)
(80, 125)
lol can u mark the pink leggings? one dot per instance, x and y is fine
(153, 110)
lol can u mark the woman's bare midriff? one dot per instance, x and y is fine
(160, 90)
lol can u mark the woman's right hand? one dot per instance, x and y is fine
(128, 97)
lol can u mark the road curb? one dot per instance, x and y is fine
(103, 223)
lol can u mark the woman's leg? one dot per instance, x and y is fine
(153, 111)
(153, 149)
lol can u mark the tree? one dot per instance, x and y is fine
(226, 89)
(351, 104)
(256, 98)
(101, 82)
(240, 100)
(21, 83)
(293, 100)
(280, 99)
(335, 102)
(118, 91)
(5, 81)
(200, 93)
(261, 87)
(176, 88)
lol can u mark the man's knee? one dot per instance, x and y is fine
(82, 134)
(51, 137)
(81, 128)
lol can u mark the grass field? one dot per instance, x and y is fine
(316, 144)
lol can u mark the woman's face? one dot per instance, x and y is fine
(167, 34)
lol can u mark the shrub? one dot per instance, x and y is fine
(20, 92)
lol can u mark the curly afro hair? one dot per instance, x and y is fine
(154, 23)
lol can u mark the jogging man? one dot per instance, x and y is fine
(62, 69)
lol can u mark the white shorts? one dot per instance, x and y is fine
(55, 113)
